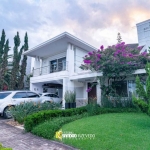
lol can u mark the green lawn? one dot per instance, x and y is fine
(119, 131)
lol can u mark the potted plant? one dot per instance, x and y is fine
(72, 99)
(67, 99)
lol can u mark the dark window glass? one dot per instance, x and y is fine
(120, 88)
(53, 66)
(47, 95)
(56, 96)
(3, 95)
(31, 95)
(50, 95)
(20, 95)
(62, 64)
(58, 64)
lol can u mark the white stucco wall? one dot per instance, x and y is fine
(36, 87)
(78, 57)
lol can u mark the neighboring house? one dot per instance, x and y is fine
(143, 31)
(57, 61)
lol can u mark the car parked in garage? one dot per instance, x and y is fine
(52, 97)
(9, 99)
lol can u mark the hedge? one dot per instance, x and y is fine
(33, 120)
(48, 128)
(39, 117)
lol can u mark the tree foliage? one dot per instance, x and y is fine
(4, 48)
(16, 60)
(23, 64)
(142, 98)
(115, 62)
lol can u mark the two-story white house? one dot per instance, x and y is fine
(56, 68)
(57, 61)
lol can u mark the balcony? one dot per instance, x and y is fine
(55, 67)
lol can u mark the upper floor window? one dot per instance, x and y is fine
(58, 65)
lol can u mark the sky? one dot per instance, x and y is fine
(96, 22)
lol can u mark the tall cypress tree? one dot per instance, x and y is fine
(16, 61)
(2, 43)
(4, 48)
(23, 64)
(5, 65)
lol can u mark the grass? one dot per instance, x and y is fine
(117, 131)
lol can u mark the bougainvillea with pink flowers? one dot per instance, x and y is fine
(117, 61)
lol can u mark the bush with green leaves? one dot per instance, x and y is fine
(92, 109)
(118, 102)
(70, 97)
(41, 116)
(142, 99)
(48, 128)
(4, 148)
(37, 118)
(21, 111)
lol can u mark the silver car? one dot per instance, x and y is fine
(52, 97)
(12, 98)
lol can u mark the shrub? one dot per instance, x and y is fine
(118, 102)
(3, 148)
(34, 119)
(143, 93)
(49, 128)
(70, 96)
(39, 117)
(19, 112)
(141, 104)
(92, 109)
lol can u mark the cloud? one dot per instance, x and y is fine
(96, 22)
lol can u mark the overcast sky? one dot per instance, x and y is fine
(94, 21)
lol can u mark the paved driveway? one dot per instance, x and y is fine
(18, 140)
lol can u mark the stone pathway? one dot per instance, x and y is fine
(18, 140)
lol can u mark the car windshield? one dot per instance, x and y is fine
(3, 95)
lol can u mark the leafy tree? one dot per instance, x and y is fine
(142, 98)
(16, 60)
(119, 39)
(23, 65)
(115, 62)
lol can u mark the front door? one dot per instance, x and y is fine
(92, 95)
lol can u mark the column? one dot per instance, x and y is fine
(67, 85)
(70, 59)
(98, 93)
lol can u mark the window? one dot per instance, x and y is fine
(58, 64)
(62, 64)
(53, 65)
(120, 88)
(32, 95)
(52, 95)
(3, 95)
(55, 96)
(20, 95)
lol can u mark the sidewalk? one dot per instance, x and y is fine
(16, 139)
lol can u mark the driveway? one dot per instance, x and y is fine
(18, 140)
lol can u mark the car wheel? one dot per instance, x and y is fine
(6, 113)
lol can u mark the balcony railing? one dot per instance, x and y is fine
(61, 66)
